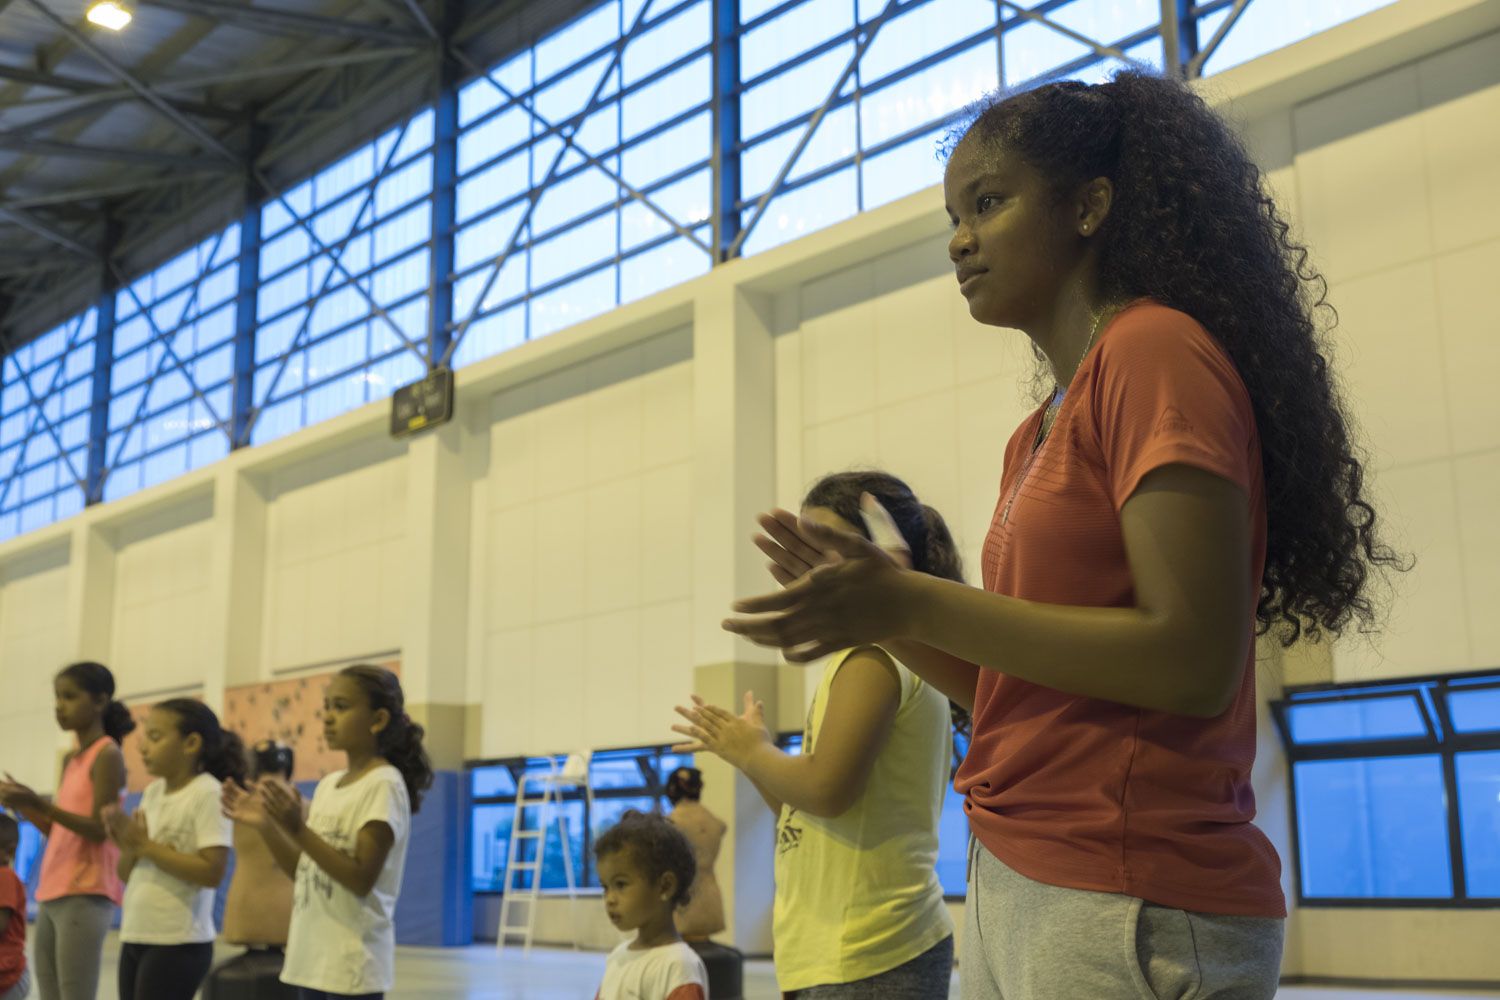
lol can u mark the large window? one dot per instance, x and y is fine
(44, 426)
(845, 101)
(623, 153)
(343, 299)
(633, 778)
(1396, 791)
(584, 177)
(171, 380)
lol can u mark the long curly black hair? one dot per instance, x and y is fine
(1194, 228)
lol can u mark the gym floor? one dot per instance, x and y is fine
(478, 973)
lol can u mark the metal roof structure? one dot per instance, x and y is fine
(119, 148)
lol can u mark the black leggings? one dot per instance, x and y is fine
(307, 994)
(163, 971)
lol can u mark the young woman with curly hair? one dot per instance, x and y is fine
(1189, 484)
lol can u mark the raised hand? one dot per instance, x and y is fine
(732, 738)
(282, 803)
(854, 596)
(243, 805)
(792, 543)
(15, 795)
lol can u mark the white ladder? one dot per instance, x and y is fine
(574, 773)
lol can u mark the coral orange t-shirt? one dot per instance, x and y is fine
(1090, 794)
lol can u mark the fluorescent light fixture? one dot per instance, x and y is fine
(109, 14)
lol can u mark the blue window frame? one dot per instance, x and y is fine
(584, 176)
(1395, 791)
(171, 405)
(46, 390)
(629, 778)
(343, 302)
(845, 101)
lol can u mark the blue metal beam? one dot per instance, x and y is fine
(726, 128)
(444, 191)
(247, 302)
(104, 359)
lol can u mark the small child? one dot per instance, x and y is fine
(347, 855)
(173, 852)
(646, 867)
(15, 980)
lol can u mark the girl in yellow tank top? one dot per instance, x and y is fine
(859, 910)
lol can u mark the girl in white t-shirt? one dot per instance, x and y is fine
(347, 856)
(173, 851)
(646, 868)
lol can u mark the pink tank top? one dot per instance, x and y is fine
(73, 865)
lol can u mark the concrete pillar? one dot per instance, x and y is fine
(733, 480)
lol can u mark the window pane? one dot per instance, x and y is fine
(487, 782)
(668, 41)
(1478, 777)
(911, 166)
(1397, 717)
(1475, 711)
(44, 413)
(573, 303)
(615, 772)
(922, 31)
(805, 210)
(789, 35)
(490, 828)
(1271, 24)
(1373, 829)
(581, 211)
(929, 96)
(796, 92)
(374, 233)
(662, 267)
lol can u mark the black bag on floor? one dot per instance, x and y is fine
(255, 975)
(726, 969)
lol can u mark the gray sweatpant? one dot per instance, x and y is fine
(1024, 940)
(69, 945)
(21, 988)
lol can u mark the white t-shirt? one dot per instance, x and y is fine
(670, 972)
(340, 942)
(160, 908)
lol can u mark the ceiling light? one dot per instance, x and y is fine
(110, 14)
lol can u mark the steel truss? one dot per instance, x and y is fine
(432, 47)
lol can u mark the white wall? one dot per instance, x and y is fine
(1390, 182)
(33, 596)
(1395, 180)
(335, 558)
(881, 366)
(584, 591)
(159, 639)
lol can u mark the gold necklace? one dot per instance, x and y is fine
(1056, 405)
(1058, 390)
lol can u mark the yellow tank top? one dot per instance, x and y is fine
(858, 894)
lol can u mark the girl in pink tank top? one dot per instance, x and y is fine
(79, 885)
